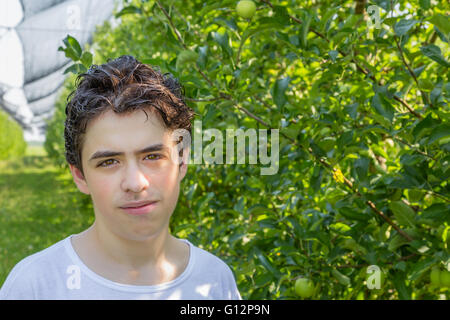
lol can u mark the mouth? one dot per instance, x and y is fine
(139, 208)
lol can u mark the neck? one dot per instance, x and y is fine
(135, 254)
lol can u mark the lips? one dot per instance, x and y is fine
(137, 204)
(139, 208)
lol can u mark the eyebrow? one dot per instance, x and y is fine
(106, 153)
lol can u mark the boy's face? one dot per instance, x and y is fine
(118, 182)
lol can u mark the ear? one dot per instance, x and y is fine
(79, 179)
(184, 164)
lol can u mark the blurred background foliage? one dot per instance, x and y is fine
(12, 143)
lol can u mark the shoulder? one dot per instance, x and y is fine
(207, 259)
(209, 268)
(27, 272)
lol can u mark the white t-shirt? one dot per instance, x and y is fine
(58, 273)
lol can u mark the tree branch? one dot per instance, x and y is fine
(175, 30)
(411, 72)
(253, 116)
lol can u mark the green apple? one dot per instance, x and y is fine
(435, 276)
(445, 279)
(304, 287)
(246, 9)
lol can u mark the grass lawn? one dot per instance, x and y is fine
(39, 206)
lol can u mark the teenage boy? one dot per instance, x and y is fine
(119, 147)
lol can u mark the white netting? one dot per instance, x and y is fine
(31, 67)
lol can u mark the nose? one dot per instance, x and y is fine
(134, 179)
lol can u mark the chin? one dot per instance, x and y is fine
(143, 234)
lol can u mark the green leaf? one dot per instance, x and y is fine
(326, 144)
(208, 8)
(225, 104)
(269, 25)
(383, 107)
(224, 42)
(352, 214)
(316, 178)
(338, 37)
(69, 53)
(325, 19)
(257, 209)
(434, 53)
(424, 127)
(436, 214)
(352, 110)
(345, 139)
(403, 26)
(305, 29)
(279, 90)
(425, 4)
(298, 229)
(239, 205)
(396, 242)
(417, 71)
(441, 35)
(352, 245)
(76, 69)
(333, 55)
(86, 59)
(224, 22)
(403, 213)
(411, 160)
(266, 263)
(73, 44)
(281, 15)
(442, 22)
(440, 132)
(351, 21)
(263, 279)
(203, 202)
(362, 167)
(128, 10)
(292, 131)
(341, 278)
(404, 293)
(202, 56)
(185, 57)
(317, 150)
(421, 267)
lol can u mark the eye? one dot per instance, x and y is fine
(153, 156)
(106, 163)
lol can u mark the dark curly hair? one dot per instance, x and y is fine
(123, 85)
